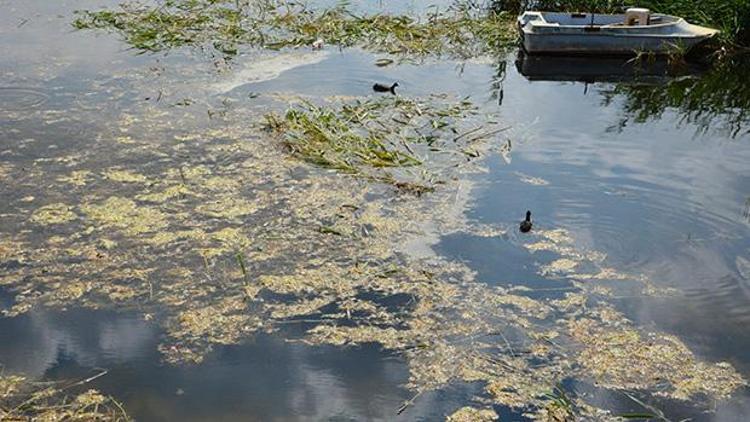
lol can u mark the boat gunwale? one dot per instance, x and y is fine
(664, 36)
(677, 20)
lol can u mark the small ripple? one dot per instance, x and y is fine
(16, 99)
(729, 296)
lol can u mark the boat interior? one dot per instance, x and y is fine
(640, 17)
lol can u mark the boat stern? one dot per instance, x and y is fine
(527, 17)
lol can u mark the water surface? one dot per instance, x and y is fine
(648, 168)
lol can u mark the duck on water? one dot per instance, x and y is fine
(385, 88)
(526, 224)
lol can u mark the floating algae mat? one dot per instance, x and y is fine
(217, 233)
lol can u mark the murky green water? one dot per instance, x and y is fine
(131, 184)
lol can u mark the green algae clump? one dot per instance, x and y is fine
(471, 414)
(124, 176)
(76, 178)
(58, 213)
(618, 356)
(124, 214)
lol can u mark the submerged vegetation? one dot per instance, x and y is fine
(22, 400)
(461, 31)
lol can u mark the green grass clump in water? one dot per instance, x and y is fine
(375, 138)
(460, 31)
(323, 138)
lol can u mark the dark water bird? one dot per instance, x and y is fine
(526, 224)
(385, 88)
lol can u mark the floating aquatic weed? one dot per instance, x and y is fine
(460, 31)
(486, 230)
(10, 249)
(126, 215)
(171, 192)
(76, 178)
(53, 214)
(21, 400)
(619, 356)
(560, 407)
(225, 321)
(300, 309)
(380, 138)
(471, 414)
(531, 180)
(5, 170)
(229, 207)
(124, 176)
(560, 266)
(572, 261)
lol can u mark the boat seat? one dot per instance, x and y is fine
(636, 16)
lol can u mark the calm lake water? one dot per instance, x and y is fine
(651, 170)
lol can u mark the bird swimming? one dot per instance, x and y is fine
(385, 88)
(526, 224)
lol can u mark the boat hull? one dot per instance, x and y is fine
(605, 44)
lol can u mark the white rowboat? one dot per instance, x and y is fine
(636, 31)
